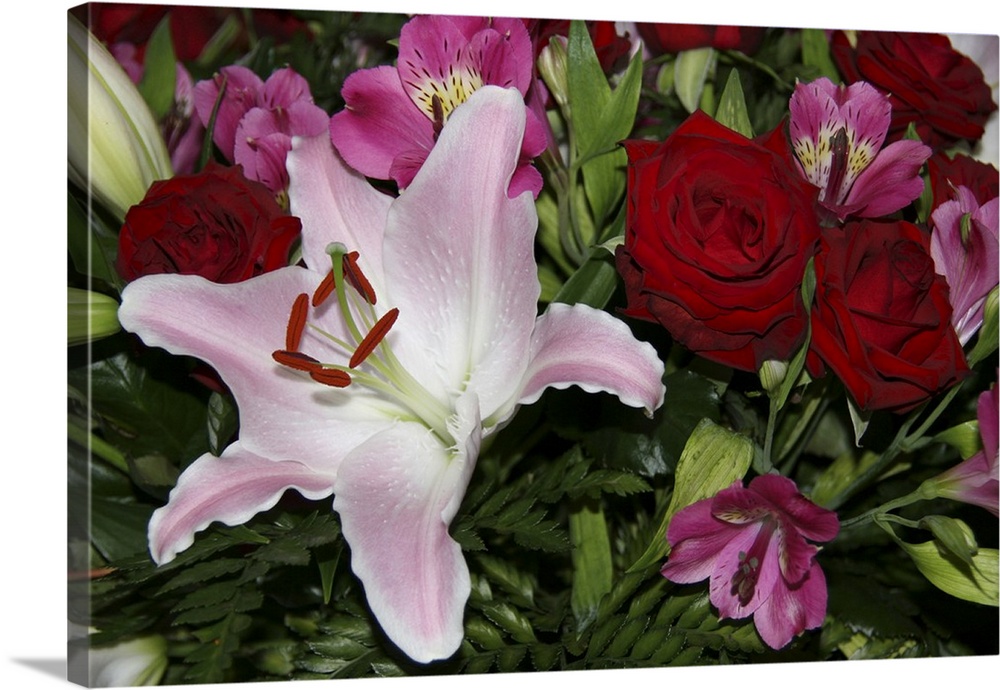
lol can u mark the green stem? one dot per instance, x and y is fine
(883, 509)
(904, 441)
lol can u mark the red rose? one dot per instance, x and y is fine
(719, 230)
(882, 320)
(673, 38)
(216, 224)
(946, 174)
(929, 83)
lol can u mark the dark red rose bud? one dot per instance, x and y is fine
(881, 320)
(718, 233)
(216, 224)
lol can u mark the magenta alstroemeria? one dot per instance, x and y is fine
(384, 398)
(837, 133)
(965, 246)
(751, 544)
(395, 114)
(257, 119)
(976, 479)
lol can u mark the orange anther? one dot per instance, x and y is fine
(374, 337)
(331, 377)
(296, 360)
(324, 290)
(296, 322)
(353, 274)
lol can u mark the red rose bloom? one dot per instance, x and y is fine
(947, 174)
(216, 224)
(882, 320)
(718, 233)
(673, 38)
(929, 83)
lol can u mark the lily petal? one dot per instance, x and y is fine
(456, 235)
(589, 348)
(235, 328)
(396, 495)
(229, 489)
(335, 204)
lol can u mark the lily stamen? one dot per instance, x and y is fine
(296, 322)
(357, 279)
(331, 377)
(296, 360)
(374, 337)
(325, 289)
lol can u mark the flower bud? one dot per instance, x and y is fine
(115, 148)
(553, 65)
(772, 374)
(90, 315)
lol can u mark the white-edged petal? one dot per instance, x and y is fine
(230, 489)
(581, 346)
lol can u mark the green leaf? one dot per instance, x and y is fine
(963, 437)
(713, 458)
(953, 534)
(593, 283)
(592, 567)
(732, 110)
(511, 620)
(839, 475)
(816, 54)
(989, 332)
(604, 175)
(159, 77)
(978, 582)
(142, 414)
(223, 420)
(690, 73)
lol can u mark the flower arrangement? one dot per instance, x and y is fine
(408, 345)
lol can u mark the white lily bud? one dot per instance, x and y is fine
(115, 147)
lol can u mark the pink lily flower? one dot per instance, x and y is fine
(425, 342)
(257, 120)
(751, 544)
(394, 115)
(965, 246)
(976, 479)
(837, 133)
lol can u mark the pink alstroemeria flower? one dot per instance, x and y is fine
(976, 479)
(446, 345)
(751, 544)
(965, 246)
(395, 114)
(837, 133)
(257, 119)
